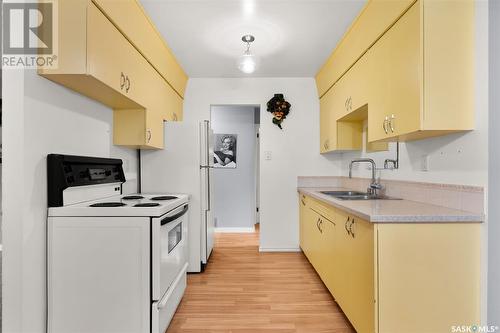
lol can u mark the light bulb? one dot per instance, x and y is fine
(247, 63)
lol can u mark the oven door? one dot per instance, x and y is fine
(169, 249)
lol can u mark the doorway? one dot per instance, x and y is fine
(235, 183)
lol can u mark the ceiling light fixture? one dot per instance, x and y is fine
(247, 63)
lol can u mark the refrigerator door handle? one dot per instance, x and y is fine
(209, 203)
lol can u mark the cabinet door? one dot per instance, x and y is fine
(154, 130)
(342, 280)
(130, 18)
(329, 254)
(353, 89)
(113, 60)
(362, 291)
(170, 102)
(302, 223)
(327, 132)
(395, 79)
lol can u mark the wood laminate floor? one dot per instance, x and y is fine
(244, 291)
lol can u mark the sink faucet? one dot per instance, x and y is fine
(374, 186)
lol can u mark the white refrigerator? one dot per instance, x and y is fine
(206, 177)
(184, 167)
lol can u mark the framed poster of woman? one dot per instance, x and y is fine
(225, 151)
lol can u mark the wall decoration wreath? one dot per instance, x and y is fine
(279, 108)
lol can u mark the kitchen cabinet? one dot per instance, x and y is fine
(422, 73)
(342, 99)
(97, 60)
(375, 18)
(415, 79)
(394, 277)
(355, 269)
(112, 60)
(137, 128)
(395, 65)
(132, 21)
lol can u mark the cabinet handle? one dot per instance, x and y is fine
(385, 125)
(350, 228)
(318, 224)
(149, 134)
(175, 116)
(128, 84)
(345, 225)
(346, 104)
(122, 80)
(393, 117)
(303, 202)
(350, 103)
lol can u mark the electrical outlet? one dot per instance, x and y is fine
(425, 163)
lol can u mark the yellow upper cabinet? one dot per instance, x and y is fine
(370, 24)
(422, 73)
(131, 19)
(394, 78)
(97, 60)
(112, 60)
(416, 78)
(349, 94)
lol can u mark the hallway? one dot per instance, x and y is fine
(244, 291)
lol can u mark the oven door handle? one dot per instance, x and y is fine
(175, 216)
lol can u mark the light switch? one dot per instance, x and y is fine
(268, 155)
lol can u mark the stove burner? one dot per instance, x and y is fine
(133, 197)
(164, 197)
(147, 204)
(108, 204)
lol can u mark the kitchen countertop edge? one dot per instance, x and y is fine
(450, 215)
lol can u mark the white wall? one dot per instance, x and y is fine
(295, 150)
(494, 167)
(40, 117)
(234, 197)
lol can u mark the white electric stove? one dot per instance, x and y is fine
(115, 263)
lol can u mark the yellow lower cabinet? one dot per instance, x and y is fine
(328, 254)
(395, 277)
(428, 276)
(361, 275)
(303, 238)
(356, 295)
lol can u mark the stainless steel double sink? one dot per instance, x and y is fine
(354, 195)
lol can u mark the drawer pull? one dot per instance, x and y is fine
(345, 225)
(122, 80)
(386, 120)
(393, 117)
(350, 228)
(128, 84)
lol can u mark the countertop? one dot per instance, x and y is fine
(384, 211)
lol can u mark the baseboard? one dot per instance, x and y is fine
(235, 230)
(272, 249)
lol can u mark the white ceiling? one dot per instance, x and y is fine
(293, 38)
